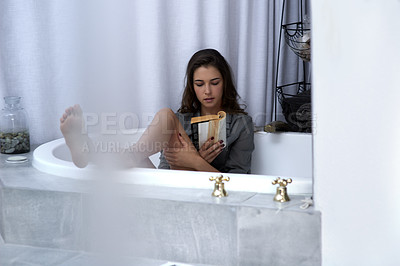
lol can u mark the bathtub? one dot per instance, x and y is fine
(276, 154)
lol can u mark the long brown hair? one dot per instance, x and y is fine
(230, 97)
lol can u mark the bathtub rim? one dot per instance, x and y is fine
(45, 161)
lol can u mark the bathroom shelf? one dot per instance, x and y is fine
(298, 38)
(295, 99)
(293, 92)
(300, 89)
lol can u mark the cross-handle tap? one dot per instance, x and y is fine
(219, 187)
(281, 191)
(282, 182)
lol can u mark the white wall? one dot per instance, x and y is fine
(356, 90)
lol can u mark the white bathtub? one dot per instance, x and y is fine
(276, 154)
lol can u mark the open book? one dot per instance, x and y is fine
(207, 126)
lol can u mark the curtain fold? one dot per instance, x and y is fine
(130, 56)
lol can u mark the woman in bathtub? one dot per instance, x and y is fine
(209, 89)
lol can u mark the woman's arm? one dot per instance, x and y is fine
(186, 156)
(239, 157)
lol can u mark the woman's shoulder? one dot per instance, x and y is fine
(240, 122)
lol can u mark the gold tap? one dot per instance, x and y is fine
(219, 189)
(281, 191)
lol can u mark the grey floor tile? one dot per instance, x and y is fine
(16, 255)
(42, 218)
(101, 260)
(97, 260)
(267, 237)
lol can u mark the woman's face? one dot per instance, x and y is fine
(208, 86)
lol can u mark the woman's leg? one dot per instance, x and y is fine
(161, 133)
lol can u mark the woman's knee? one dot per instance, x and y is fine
(165, 114)
(166, 111)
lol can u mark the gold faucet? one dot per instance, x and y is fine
(281, 191)
(219, 189)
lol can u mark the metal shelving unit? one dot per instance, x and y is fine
(295, 97)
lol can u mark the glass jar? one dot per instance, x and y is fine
(14, 130)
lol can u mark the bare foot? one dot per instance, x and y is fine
(71, 125)
(71, 122)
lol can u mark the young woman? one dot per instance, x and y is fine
(209, 89)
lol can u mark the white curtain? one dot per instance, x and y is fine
(130, 56)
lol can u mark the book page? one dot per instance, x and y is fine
(205, 127)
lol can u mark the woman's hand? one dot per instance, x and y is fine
(210, 150)
(182, 157)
